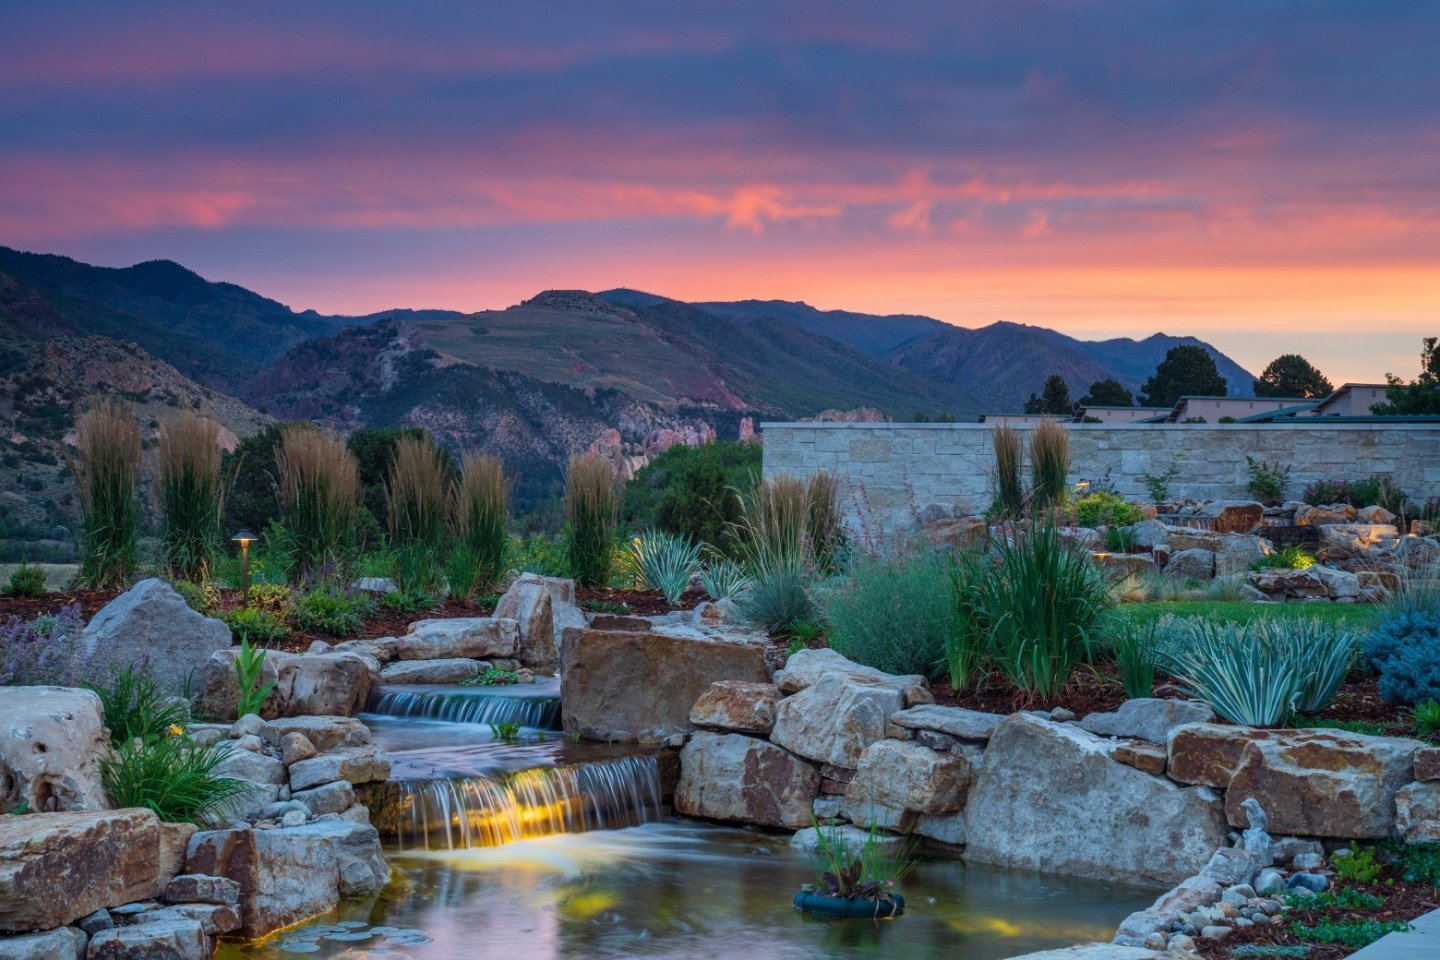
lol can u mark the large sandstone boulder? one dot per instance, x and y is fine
(58, 867)
(1193, 564)
(152, 624)
(1237, 552)
(806, 667)
(1280, 583)
(431, 671)
(642, 686)
(727, 776)
(171, 937)
(1208, 754)
(1233, 516)
(325, 733)
(1323, 783)
(354, 765)
(1148, 718)
(906, 775)
(1049, 797)
(1148, 534)
(1417, 812)
(835, 719)
(473, 638)
(64, 943)
(1355, 539)
(311, 684)
(543, 607)
(51, 742)
(1339, 584)
(738, 706)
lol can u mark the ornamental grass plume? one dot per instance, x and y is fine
(1049, 465)
(319, 498)
(592, 510)
(191, 495)
(1009, 494)
(106, 468)
(478, 511)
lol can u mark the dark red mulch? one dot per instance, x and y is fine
(28, 608)
(1359, 700)
(1403, 901)
(639, 603)
(1095, 690)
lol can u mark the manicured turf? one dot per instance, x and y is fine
(1357, 616)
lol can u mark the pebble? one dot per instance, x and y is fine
(293, 818)
(1269, 881)
(93, 923)
(1308, 881)
(1215, 933)
(1307, 861)
(250, 742)
(1156, 941)
(1182, 944)
(1061, 715)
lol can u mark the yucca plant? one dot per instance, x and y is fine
(1049, 465)
(319, 498)
(722, 577)
(666, 562)
(592, 508)
(106, 468)
(1009, 493)
(191, 495)
(1243, 673)
(479, 507)
(417, 508)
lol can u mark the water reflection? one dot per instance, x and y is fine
(677, 889)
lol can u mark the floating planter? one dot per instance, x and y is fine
(820, 905)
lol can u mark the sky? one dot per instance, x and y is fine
(1265, 175)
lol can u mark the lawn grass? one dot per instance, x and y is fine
(1357, 616)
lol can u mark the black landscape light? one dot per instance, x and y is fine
(244, 538)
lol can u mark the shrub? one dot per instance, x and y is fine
(778, 597)
(319, 499)
(1374, 490)
(479, 509)
(1347, 933)
(1104, 509)
(723, 578)
(1405, 649)
(1357, 867)
(1009, 495)
(537, 553)
(895, 614)
(191, 495)
(330, 610)
(1137, 654)
(1268, 480)
(1326, 492)
(1293, 557)
(1040, 602)
(253, 624)
(173, 776)
(591, 509)
(273, 598)
(666, 562)
(27, 580)
(1420, 862)
(44, 651)
(1049, 465)
(492, 677)
(695, 491)
(106, 468)
(201, 597)
(417, 509)
(1158, 484)
(409, 601)
(249, 664)
(1426, 717)
(135, 709)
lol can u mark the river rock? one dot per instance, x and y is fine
(1049, 797)
(641, 686)
(51, 742)
(381, 649)
(81, 861)
(324, 733)
(328, 684)
(1148, 718)
(904, 774)
(163, 938)
(1189, 896)
(955, 721)
(66, 943)
(475, 638)
(355, 765)
(452, 670)
(1233, 516)
(729, 776)
(152, 624)
(1209, 753)
(737, 705)
(806, 667)
(336, 797)
(843, 835)
(1323, 783)
(835, 719)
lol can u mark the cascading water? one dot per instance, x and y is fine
(458, 813)
(469, 705)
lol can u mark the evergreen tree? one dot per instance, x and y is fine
(1291, 375)
(1419, 396)
(1107, 393)
(1187, 370)
(1053, 399)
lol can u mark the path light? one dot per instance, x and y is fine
(244, 538)
(1082, 487)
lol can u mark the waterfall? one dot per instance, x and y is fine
(455, 814)
(468, 705)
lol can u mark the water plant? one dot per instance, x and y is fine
(1049, 465)
(1009, 494)
(171, 775)
(721, 577)
(479, 508)
(190, 493)
(894, 613)
(26, 580)
(492, 677)
(319, 500)
(666, 562)
(867, 871)
(249, 664)
(506, 730)
(591, 511)
(106, 468)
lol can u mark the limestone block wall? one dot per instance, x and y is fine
(888, 471)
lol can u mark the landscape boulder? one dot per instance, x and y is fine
(1148, 534)
(473, 638)
(451, 670)
(1279, 583)
(64, 943)
(806, 667)
(1208, 754)
(954, 721)
(1355, 539)
(542, 607)
(58, 867)
(737, 705)
(1320, 515)
(1148, 718)
(160, 938)
(729, 776)
(151, 624)
(618, 685)
(324, 733)
(51, 742)
(1417, 812)
(1049, 797)
(835, 719)
(906, 775)
(1194, 564)
(326, 684)
(1232, 516)
(1238, 552)
(354, 765)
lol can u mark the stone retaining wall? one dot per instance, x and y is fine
(889, 471)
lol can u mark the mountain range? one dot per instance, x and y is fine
(534, 382)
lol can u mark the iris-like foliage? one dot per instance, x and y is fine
(135, 709)
(722, 578)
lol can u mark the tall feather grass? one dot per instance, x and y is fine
(1049, 465)
(106, 468)
(319, 499)
(191, 495)
(417, 501)
(1009, 493)
(479, 509)
(592, 509)
(822, 522)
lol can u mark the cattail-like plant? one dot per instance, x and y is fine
(319, 498)
(1009, 494)
(479, 509)
(1049, 465)
(106, 468)
(190, 494)
(592, 508)
(822, 522)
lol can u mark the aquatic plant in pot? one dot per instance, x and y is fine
(856, 881)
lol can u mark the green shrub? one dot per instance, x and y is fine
(330, 610)
(492, 677)
(895, 614)
(106, 468)
(1419, 862)
(1347, 933)
(255, 625)
(537, 553)
(1104, 509)
(1158, 484)
(778, 597)
(1404, 647)
(1009, 494)
(249, 667)
(173, 776)
(135, 709)
(1293, 557)
(409, 601)
(319, 501)
(1357, 867)
(666, 562)
(723, 578)
(591, 509)
(27, 580)
(694, 492)
(1426, 717)
(1268, 480)
(479, 509)
(1119, 540)
(201, 597)
(190, 494)
(1347, 898)
(1049, 465)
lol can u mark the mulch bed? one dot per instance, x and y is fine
(638, 603)
(28, 608)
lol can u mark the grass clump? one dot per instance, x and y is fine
(778, 597)
(666, 562)
(1137, 655)
(479, 508)
(591, 512)
(1009, 493)
(319, 500)
(106, 468)
(417, 510)
(1049, 465)
(26, 580)
(1293, 557)
(191, 495)
(867, 871)
(895, 614)
(134, 708)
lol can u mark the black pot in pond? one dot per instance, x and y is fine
(820, 905)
